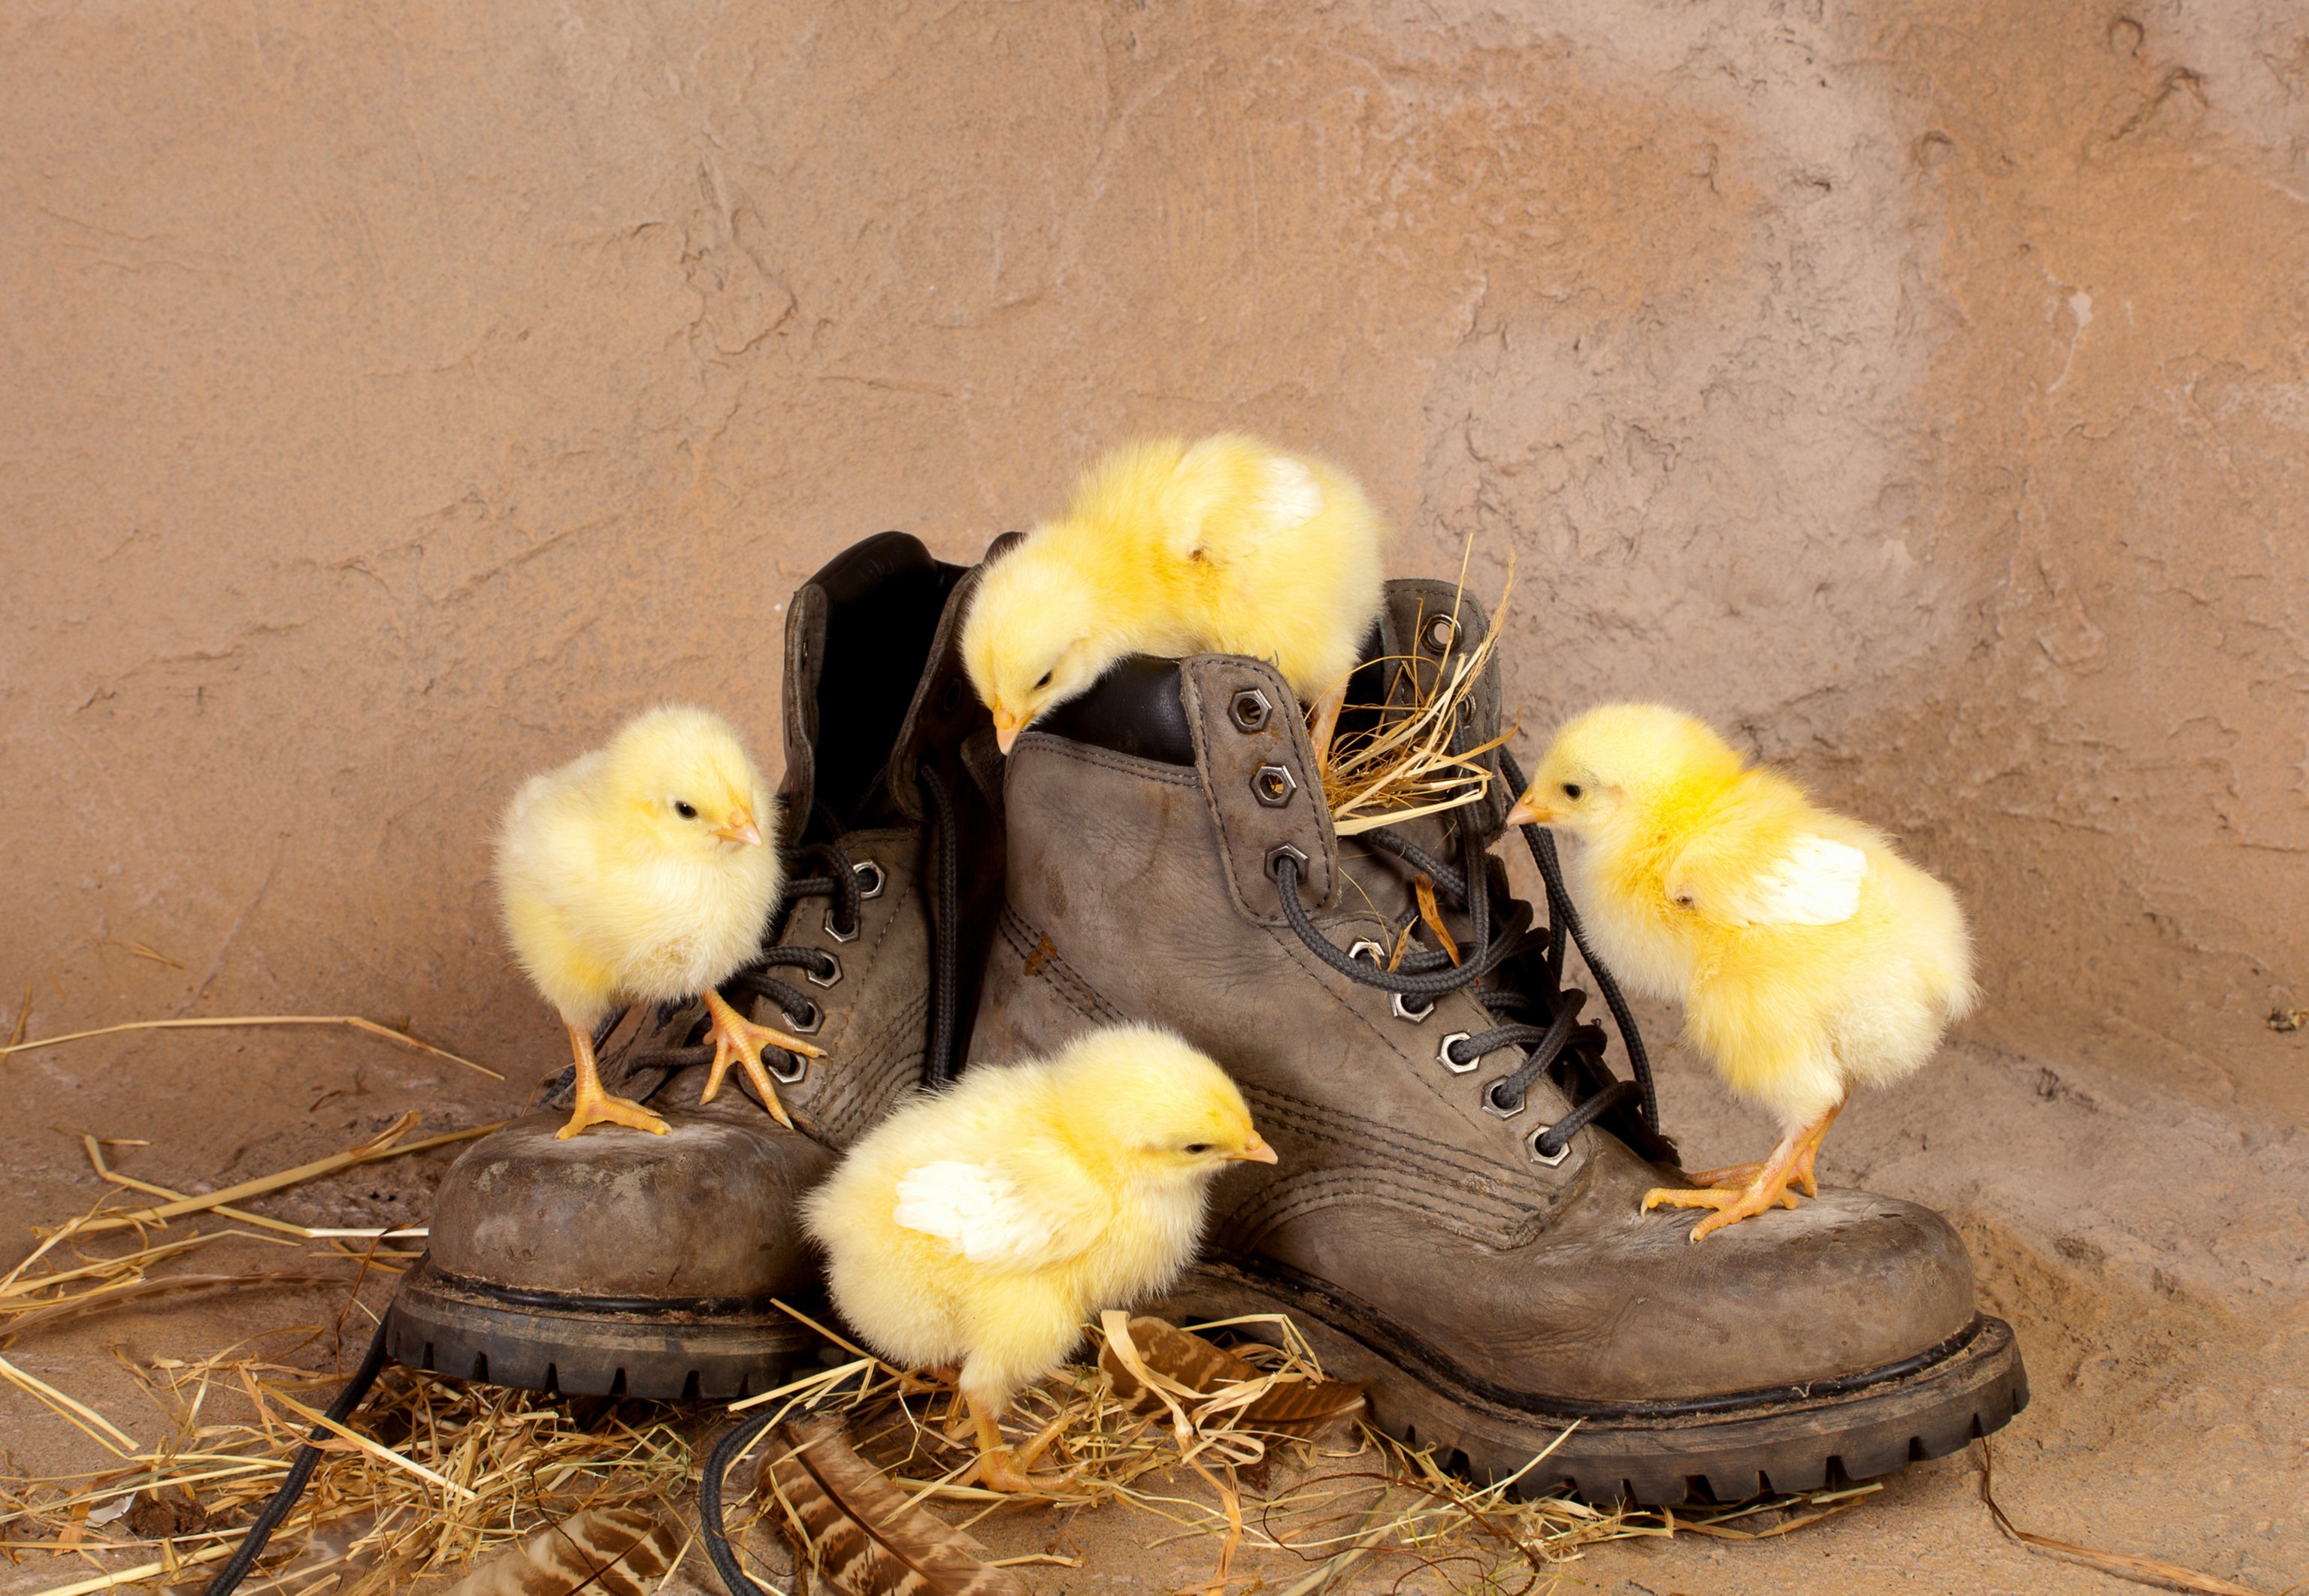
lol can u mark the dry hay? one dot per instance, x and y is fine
(1402, 764)
(430, 1474)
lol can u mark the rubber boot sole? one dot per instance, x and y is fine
(1723, 1449)
(586, 1346)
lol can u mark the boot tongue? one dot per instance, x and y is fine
(1425, 628)
(857, 636)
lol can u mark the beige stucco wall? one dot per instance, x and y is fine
(393, 397)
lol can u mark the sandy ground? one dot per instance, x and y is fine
(2152, 1259)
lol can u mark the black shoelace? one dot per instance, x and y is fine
(1531, 990)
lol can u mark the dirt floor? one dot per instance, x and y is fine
(2151, 1258)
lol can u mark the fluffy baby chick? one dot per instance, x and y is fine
(982, 1225)
(1221, 547)
(1808, 956)
(639, 874)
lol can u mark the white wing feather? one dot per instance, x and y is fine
(1816, 882)
(978, 1209)
(1289, 496)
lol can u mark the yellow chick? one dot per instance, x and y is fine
(982, 1225)
(639, 874)
(1224, 546)
(1808, 955)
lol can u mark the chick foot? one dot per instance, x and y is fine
(594, 1105)
(999, 1469)
(738, 1041)
(1744, 1191)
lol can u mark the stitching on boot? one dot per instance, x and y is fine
(1044, 963)
(1370, 1136)
(1295, 1195)
(1145, 770)
(877, 1079)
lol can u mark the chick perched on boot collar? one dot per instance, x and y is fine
(1223, 546)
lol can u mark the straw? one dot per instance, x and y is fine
(226, 1021)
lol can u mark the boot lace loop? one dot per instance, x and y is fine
(1505, 944)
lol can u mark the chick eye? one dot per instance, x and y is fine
(1046, 678)
(688, 811)
(1197, 1147)
(1571, 790)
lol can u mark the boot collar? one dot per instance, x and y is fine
(858, 634)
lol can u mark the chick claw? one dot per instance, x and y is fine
(738, 1041)
(1732, 1204)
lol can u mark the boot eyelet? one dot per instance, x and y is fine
(1277, 854)
(1531, 1145)
(833, 931)
(1248, 710)
(805, 1027)
(800, 1066)
(1491, 1104)
(1396, 1002)
(1443, 1054)
(1439, 633)
(1273, 785)
(830, 977)
(871, 878)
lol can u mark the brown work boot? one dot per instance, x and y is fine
(1456, 1214)
(619, 1261)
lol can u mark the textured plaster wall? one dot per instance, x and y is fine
(391, 398)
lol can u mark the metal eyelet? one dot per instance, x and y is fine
(1277, 854)
(1439, 633)
(800, 1066)
(1491, 1106)
(817, 979)
(1248, 710)
(1531, 1145)
(1396, 1001)
(1443, 1054)
(1273, 785)
(838, 934)
(808, 1027)
(873, 872)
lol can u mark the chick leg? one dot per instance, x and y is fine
(1742, 1174)
(595, 1106)
(738, 1041)
(1768, 1189)
(997, 1468)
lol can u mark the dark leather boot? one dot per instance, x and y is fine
(619, 1261)
(1456, 1216)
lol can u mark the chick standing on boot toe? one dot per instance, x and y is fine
(1225, 547)
(1808, 956)
(982, 1225)
(639, 874)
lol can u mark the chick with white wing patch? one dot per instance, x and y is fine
(1808, 956)
(982, 1225)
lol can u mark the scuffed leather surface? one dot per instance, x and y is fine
(616, 1213)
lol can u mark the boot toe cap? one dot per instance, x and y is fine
(704, 1211)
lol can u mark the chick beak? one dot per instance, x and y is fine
(1254, 1152)
(740, 828)
(1529, 811)
(1007, 728)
